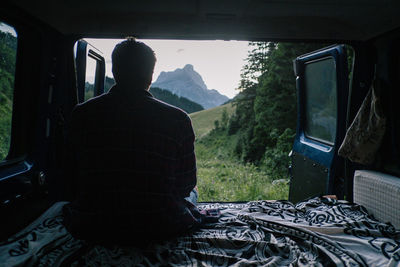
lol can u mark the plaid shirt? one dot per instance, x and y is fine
(132, 162)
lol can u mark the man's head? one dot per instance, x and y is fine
(133, 64)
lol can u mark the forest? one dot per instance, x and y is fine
(178, 101)
(266, 107)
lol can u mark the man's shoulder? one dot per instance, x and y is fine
(168, 110)
(149, 105)
(91, 104)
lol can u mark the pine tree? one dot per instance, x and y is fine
(266, 105)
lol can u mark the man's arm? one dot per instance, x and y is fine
(69, 164)
(186, 177)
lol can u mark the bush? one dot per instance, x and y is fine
(276, 160)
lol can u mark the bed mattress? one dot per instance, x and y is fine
(379, 193)
(316, 232)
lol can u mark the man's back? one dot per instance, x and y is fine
(134, 163)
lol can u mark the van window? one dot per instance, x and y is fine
(320, 97)
(90, 76)
(8, 52)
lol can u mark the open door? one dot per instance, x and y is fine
(322, 89)
(90, 69)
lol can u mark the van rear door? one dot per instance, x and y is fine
(322, 90)
(90, 71)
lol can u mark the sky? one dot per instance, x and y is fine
(6, 28)
(218, 62)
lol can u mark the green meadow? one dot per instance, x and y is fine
(203, 121)
(221, 175)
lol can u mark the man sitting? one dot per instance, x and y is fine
(131, 159)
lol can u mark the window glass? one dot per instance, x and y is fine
(90, 76)
(8, 52)
(321, 107)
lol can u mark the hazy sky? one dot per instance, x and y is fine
(218, 62)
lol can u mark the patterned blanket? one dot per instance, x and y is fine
(316, 232)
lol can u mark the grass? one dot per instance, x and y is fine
(221, 176)
(203, 121)
(224, 179)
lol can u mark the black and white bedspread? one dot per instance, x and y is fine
(316, 232)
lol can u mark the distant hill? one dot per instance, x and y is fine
(188, 83)
(177, 101)
(165, 96)
(203, 121)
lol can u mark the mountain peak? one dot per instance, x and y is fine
(188, 67)
(188, 83)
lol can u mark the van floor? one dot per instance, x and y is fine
(318, 232)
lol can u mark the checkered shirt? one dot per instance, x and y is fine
(132, 162)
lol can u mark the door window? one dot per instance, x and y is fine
(8, 55)
(321, 100)
(90, 78)
(90, 71)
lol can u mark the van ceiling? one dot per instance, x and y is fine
(219, 19)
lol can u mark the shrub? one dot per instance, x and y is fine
(276, 160)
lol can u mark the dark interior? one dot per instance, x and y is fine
(45, 88)
(358, 20)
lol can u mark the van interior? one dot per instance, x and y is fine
(344, 195)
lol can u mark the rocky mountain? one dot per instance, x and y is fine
(188, 83)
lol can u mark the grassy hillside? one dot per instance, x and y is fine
(203, 121)
(221, 175)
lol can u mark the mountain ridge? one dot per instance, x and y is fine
(165, 96)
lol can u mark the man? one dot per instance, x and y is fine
(131, 157)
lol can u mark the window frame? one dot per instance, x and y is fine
(83, 52)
